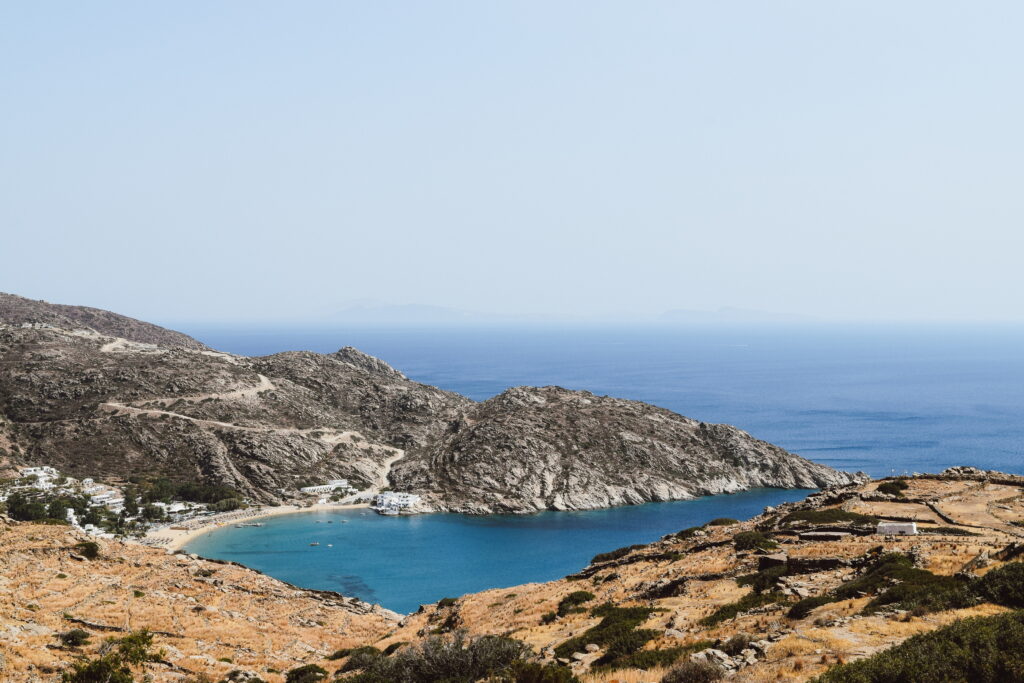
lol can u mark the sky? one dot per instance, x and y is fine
(269, 161)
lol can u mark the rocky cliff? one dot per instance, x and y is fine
(101, 405)
(550, 448)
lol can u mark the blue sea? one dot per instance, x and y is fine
(879, 399)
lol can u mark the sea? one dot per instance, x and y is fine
(880, 399)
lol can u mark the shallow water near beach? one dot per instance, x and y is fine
(879, 399)
(402, 562)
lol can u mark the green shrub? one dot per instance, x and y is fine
(1003, 585)
(393, 648)
(615, 624)
(744, 604)
(361, 658)
(534, 672)
(737, 644)
(723, 521)
(88, 549)
(447, 602)
(615, 554)
(753, 540)
(977, 650)
(653, 659)
(895, 487)
(340, 654)
(76, 637)
(693, 672)
(828, 516)
(452, 660)
(762, 580)
(570, 602)
(548, 618)
(310, 673)
(115, 665)
(106, 669)
(689, 532)
(804, 607)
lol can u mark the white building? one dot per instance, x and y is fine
(44, 472)
(897, 528)
(392, 502)
(329, 487)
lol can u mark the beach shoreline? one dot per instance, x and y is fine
(173, 539)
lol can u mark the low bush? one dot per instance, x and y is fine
(447, 602)
(737, 644)
(977, 650)
(615, 554)
(616, 626)
(753, 540)
(106, 669)
(828, 516)
(310, 673)
(693, 672)
(1003, 585)
(115, 665)
(572, 601)
(762, 580)
(895, 487)
(723, 521)
(548, 618)
(804, 607)
(88, 549)
(688, 532)
(393, 648)
(744, 604)
(454, 659)
(534, 672)
(76, 637)
(361, 658)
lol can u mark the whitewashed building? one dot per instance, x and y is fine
(897, 528)
(330, 487)
(393, 502)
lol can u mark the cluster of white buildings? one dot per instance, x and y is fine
(331, 486)
(394, 502)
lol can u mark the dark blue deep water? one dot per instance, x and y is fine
(878, 399)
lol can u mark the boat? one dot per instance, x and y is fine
(330, 545)
(314, 543)
(245, 524)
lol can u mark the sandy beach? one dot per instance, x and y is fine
(176, 536)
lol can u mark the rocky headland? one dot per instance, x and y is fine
(100, 395)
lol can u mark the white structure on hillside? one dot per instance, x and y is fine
(329, 487)
(897, 528)
(393, 502)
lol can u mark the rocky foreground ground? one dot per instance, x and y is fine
(784, 596)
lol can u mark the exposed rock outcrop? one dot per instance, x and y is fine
(550, 448)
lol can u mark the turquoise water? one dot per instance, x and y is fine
(878, 399)
(402, 562)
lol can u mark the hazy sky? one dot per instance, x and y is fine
(264, 160)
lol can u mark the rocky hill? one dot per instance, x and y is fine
(17, 310)
(210, 618)
(94, 404)
(550, 448)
